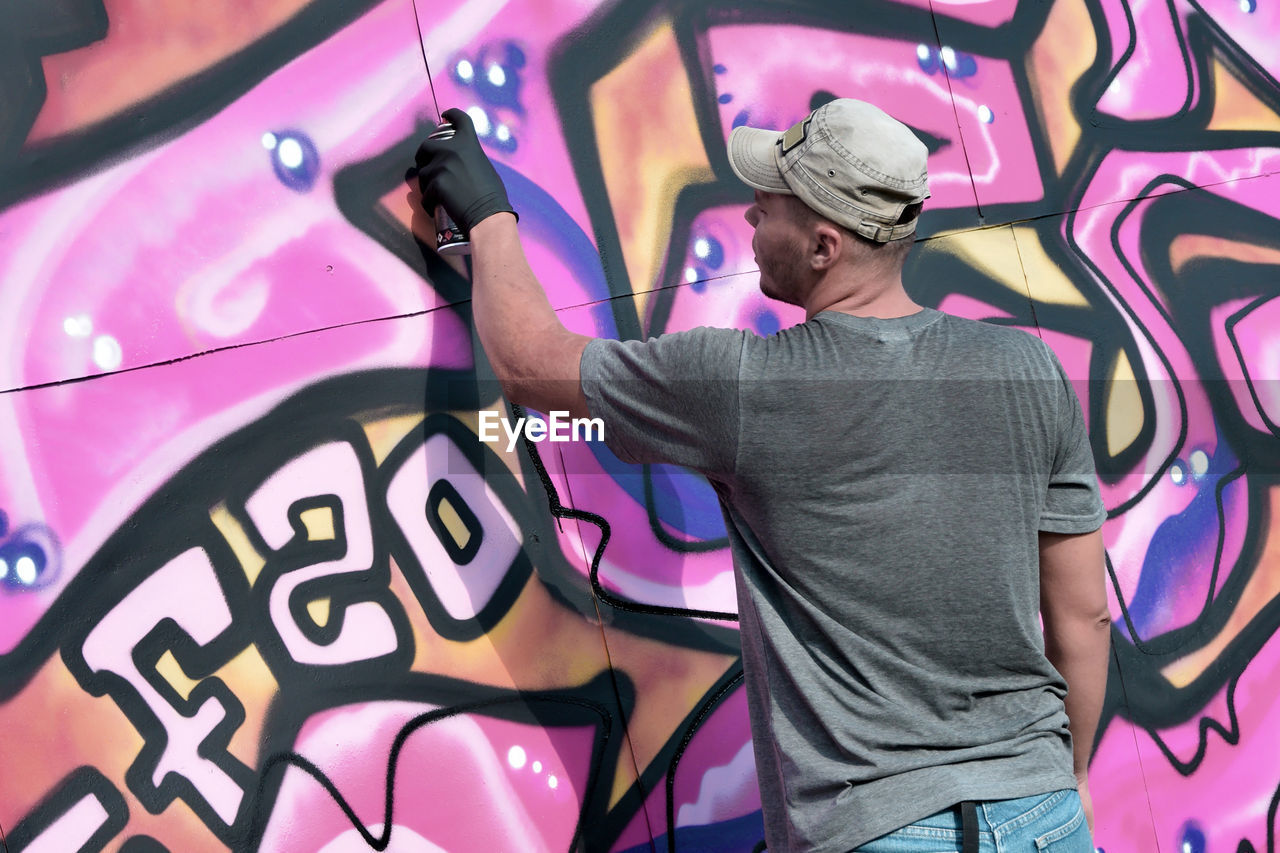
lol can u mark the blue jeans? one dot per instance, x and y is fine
(1045, 823)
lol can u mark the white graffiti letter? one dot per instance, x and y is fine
(185, 590)
(331, 469)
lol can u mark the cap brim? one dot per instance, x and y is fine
(752, 158)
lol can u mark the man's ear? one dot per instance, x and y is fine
(828, 246)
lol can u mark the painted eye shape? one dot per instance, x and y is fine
(294, 158)
(958, 64)
(495, 76)
(766, 322)
(707, 254)
(29, 559)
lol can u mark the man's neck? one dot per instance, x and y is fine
(882, 297)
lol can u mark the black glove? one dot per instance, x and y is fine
(456, 173)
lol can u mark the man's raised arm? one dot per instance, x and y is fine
(535, 358)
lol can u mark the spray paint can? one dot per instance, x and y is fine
(451, 239)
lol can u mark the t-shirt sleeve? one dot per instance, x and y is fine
(1073, 503)
(671, 399)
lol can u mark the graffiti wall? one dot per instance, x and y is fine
(262, 587)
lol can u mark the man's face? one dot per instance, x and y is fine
(779, 243)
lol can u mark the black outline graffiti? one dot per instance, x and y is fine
(656, 526)
(443, 493)
(343, 590)
(1231, 323)
(1194, 74)
(56, 162)
(84, 781)
(1207, 283)
(359, 189)
(142, 844)
(35, 29)
(497, 478)
(716, 696)
(586, 705)
(559, 510)
(113, 570)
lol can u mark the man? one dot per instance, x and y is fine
(902, 490)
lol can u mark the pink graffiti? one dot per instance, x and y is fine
(1108, 234)
(1228, 793)
(463, 590)
(1249, 355)
(465, 781)
(145, 425)
(73, 829)
(1154, 76)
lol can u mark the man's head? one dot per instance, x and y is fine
(848, 161)
(842, 189)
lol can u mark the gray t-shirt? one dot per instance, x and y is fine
(883, 483)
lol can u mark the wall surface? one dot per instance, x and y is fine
(262, 588)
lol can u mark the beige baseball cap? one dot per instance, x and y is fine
(849, 161)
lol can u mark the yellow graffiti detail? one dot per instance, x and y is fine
(988, 250)
(251, 680)
(1063, 53)
(318, 522)
(384, 433)
(1124, 407)
(171, 671)
(1237, 108)
(1046, 282)
(318, 609)
(251, 562)
(453, 523)
(650, 148)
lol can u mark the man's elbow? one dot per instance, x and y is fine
(1076, 624)
(544, 374)
(515, 369)
(542, 393)
(518, 393)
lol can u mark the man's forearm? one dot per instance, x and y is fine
(1079, 650)
(533, 356)
(1077, 628)
(516, 323)
(507, 300)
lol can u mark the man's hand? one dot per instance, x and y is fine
(456, 173)
(532, 354)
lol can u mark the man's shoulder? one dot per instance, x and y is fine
(997, 336)
(994, 330)
(703, 349)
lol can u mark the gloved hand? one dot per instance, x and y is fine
(456, 173)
